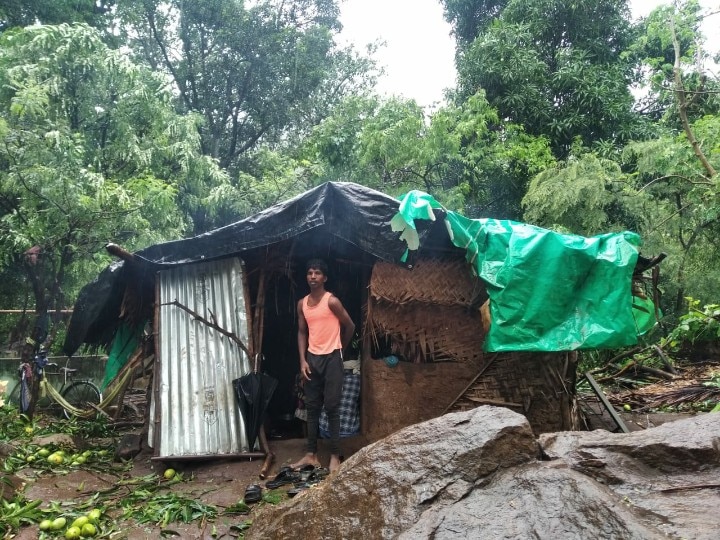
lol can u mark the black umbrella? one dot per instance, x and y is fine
(253, 392)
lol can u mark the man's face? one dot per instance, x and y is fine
(315, 277)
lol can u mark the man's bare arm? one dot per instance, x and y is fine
(302, 340)
(346, 324)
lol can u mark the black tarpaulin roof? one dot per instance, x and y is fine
(351, 212)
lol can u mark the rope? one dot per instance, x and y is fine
(49, 389)
(116, 389)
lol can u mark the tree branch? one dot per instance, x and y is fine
(211, 324)
(680, 93)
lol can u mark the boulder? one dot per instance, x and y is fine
(669, 475)
(478, 474)
(383, 489)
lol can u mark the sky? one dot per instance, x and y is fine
(419, 53)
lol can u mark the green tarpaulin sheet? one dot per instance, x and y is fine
(125, 342)
(548, 291)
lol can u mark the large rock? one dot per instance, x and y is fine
(668, 475)
(477, 474)
(383, 489)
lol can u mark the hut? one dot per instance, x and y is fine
(205, 310)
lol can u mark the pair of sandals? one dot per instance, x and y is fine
(308, 480)
(307, 474)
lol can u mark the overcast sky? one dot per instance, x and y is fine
(419, 55)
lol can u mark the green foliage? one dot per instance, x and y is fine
(28, 12)
(144, 506)
(680, 206)
(471, 17)
(559, 69)
(460, 153)
(255, 72)
(12, 423)
(576, 195)
(92, 151)
(18, 512)
(697, 325)
(275, 177)
(655, 52)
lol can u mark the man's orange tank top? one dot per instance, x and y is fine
(323, 326)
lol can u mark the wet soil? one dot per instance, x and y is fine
(219, 482)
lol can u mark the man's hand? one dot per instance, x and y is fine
(305, 370)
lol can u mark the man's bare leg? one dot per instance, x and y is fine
(307, 459)
(334, 463)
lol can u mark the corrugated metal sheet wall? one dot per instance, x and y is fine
(198, 411)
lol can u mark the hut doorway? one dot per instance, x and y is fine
(284, 271)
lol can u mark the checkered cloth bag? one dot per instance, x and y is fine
(349, 408)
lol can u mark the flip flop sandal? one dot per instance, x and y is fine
(253, 493)
(284, 476)
(306, 474)
(305, 468)
(318, 475)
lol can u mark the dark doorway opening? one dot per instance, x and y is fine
(284, 269)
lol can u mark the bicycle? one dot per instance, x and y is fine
(79, 395)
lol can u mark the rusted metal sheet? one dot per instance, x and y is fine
(197, 415)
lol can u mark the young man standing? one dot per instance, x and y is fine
(324, 330)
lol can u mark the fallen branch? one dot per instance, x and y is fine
(638, 368)
(613, 361)
(211, 324)
(665, 359)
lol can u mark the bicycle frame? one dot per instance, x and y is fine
(32, 375)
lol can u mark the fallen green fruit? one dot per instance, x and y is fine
(88, 530)
(72, 533)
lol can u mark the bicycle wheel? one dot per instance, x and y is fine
(20, 395)
(79, 394)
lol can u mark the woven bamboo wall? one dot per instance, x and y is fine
(431, 314)
(445, 283)
(538, 385)
(428, 311)
(427, 333)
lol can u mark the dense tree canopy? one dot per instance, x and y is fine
(146, 120)
(91, 151)
(24, 12)
(558, 68)
(251, 70)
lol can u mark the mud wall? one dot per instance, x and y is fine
(396, 397)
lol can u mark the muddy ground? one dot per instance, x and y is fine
(221, 483)
(217, 482)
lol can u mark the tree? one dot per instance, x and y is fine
(255, 72)
(91, 151)
(469, 18)
(682, 212)
(559, 69)
(27, 12)
(581, 195)
(459, 153)
(671, 35)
